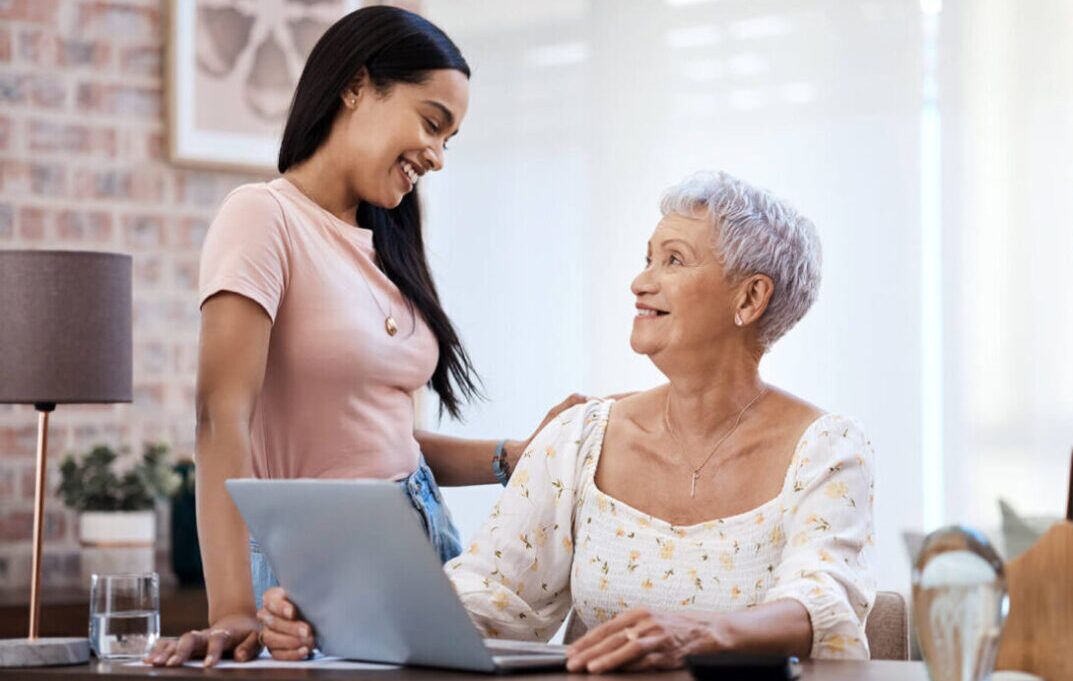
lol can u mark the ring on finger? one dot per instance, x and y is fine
(631, 633)
(221, 632)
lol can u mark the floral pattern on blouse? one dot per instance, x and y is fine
(554, 542)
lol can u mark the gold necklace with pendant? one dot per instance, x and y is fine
(390, 325)
(677, 440)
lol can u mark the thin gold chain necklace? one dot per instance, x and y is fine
(389, 319)
(390, 325)
(678, 441)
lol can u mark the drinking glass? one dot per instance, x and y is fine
(124, 615)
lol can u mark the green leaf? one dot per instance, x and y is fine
(89, 482)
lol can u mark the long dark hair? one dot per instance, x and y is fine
(393, 46)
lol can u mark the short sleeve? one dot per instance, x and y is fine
(514, 578)
(828, 527)
(246, 250)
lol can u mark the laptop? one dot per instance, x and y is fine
(354, 557)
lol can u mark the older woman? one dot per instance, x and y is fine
(715, 512)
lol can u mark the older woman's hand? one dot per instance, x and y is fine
(285, 635)
(641, 639)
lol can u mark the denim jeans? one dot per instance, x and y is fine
(424, 495)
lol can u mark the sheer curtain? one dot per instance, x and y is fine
(1008, 147)
(932, 167)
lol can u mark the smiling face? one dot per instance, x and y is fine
(388, 141)
(684, 303)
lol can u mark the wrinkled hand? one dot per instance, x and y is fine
(571, 401)
(640, 639)
(236, 634)
(286, 636)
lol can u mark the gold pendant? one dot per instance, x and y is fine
(390, 326)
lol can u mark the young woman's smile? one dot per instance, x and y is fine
(401, 135)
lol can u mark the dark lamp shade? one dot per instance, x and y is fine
(65, 327)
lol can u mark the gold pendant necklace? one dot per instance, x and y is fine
(390, 325)
(678, 441)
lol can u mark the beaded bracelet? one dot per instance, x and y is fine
(500, 465)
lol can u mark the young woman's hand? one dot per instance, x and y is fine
(235, 634)
(285, 635)
(571, 401)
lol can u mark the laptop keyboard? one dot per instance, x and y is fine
(501, 647)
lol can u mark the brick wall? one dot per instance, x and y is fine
(82, 166)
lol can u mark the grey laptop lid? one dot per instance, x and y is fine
(353, 556)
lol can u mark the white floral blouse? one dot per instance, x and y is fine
(555, 541)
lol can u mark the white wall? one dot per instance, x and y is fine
(582, 112)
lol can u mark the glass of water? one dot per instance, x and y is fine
(124, 615)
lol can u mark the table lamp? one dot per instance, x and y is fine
(65, 338)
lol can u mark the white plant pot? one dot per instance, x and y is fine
(115, 542)
(117, 529)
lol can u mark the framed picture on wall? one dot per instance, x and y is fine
(232, 69)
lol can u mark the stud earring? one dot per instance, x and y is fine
(737, 319)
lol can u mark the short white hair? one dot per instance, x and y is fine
(756, 233)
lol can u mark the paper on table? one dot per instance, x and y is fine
(266, 662)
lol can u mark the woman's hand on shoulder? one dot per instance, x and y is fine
(571, 401)
(236, 634)
(285, 635)
(641, 639)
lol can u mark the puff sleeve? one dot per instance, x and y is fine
(829, 533)
(514, 578)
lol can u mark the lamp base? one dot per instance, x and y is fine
(43, 652)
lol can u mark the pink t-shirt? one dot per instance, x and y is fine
(336, 400)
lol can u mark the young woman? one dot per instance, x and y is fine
(319, 314)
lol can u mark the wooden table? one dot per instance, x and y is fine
(818, 670)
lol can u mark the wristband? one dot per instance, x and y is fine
(500, 465)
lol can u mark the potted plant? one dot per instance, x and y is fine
(115, 497)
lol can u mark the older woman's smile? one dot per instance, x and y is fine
(646, 312)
